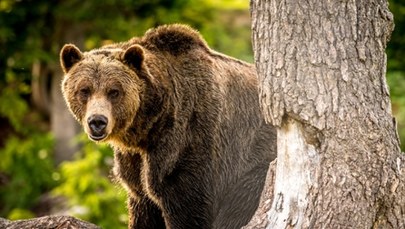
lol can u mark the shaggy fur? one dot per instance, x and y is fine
(191, 146)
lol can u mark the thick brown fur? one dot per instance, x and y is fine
(190, 143)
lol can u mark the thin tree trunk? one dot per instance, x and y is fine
(64, 127)
(47, 94)
(321, 66)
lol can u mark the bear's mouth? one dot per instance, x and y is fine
(97, 137)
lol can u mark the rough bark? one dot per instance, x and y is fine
(321, 66)
(58, 222)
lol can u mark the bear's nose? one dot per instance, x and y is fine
(97, 124)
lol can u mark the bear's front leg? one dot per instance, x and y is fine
(184, 195)
(187, 211)
(143, 213)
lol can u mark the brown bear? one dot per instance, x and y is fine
(191, 146)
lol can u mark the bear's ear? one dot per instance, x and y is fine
(69, 56)
(134, 56)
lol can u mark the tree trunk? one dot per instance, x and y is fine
(321, 66)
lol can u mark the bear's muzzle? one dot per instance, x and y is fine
(97, 125)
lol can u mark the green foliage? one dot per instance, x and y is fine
(396, 46)
(229, 4)
(27, 163)
(396, 82)
(90, 193)
(19, 213)
(12, 105)
(396, 66)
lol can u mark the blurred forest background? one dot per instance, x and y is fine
(47, 165)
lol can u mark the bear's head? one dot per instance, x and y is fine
(103, 88)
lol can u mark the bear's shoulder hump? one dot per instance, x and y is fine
(175, 39)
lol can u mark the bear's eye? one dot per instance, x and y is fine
(84, 92)
(113, 93)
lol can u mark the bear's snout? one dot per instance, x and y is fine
(97, 125)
